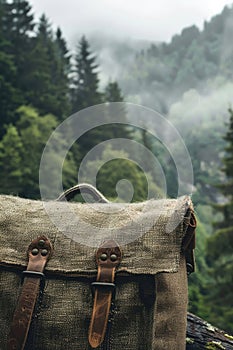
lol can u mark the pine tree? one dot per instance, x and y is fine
(225, 226)
(17, 26)
(61, 76)
(48, 72)
(220, 245)
(113, 92)
(85, 92)
(18, 23)
(116, 112)
(10, 96)
(13, 38)
(10, 161)
(39, 77)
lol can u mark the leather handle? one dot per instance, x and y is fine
(39, 252)
(108, 257)
(82, 188)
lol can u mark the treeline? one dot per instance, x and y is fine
(187, 62)
(190, 80)
(41, 84)
(36, 68)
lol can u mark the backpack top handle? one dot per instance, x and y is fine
(82, 188)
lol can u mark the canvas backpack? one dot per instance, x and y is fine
(122, 292)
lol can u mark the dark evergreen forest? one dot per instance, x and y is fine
(189, 80)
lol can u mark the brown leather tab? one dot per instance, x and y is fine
(189, 239)
(108, 257)
(188, 244)
(39, 251)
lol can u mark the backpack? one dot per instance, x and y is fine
(95, 275)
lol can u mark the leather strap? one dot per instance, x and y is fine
(188, 244)
(108, 257)
(39, 251)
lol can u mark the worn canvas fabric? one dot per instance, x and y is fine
(150, 303)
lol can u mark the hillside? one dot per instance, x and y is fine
(191, 60)
(190, 80)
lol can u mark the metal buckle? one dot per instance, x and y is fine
(104, 285)
(35, 274)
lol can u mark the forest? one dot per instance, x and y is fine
(189, 80)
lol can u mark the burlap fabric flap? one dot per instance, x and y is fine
(154, 230)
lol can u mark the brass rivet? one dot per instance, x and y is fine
(41, 242)
(113, 257)
(35, 251)
(103, 256)
(44, 252)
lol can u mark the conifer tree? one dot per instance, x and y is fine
(116, 112)
(85, 92)
(10, 96)
(39, 77)
(113, 92)
(16, 25)
(61, 76)
(220, 245)
(10, 161)
(48, 77)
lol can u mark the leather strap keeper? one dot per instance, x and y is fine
(39, 251)
(108, 257)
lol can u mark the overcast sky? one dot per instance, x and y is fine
(154, 20)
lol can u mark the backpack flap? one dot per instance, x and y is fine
(150, 233)
(152, 240)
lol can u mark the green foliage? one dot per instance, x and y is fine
(25, 159)
(36, 94)
(189, 79)
(198, 280)
(34, 65)
(10, 96)
(10, 161)
(116, 112)
(203, 137)
(48, 72)
(187, 62)
(17, 30)
(113, 166)
(86, 82)
(220, 246)
(113, 92)
(20, 153)
(85, 93)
